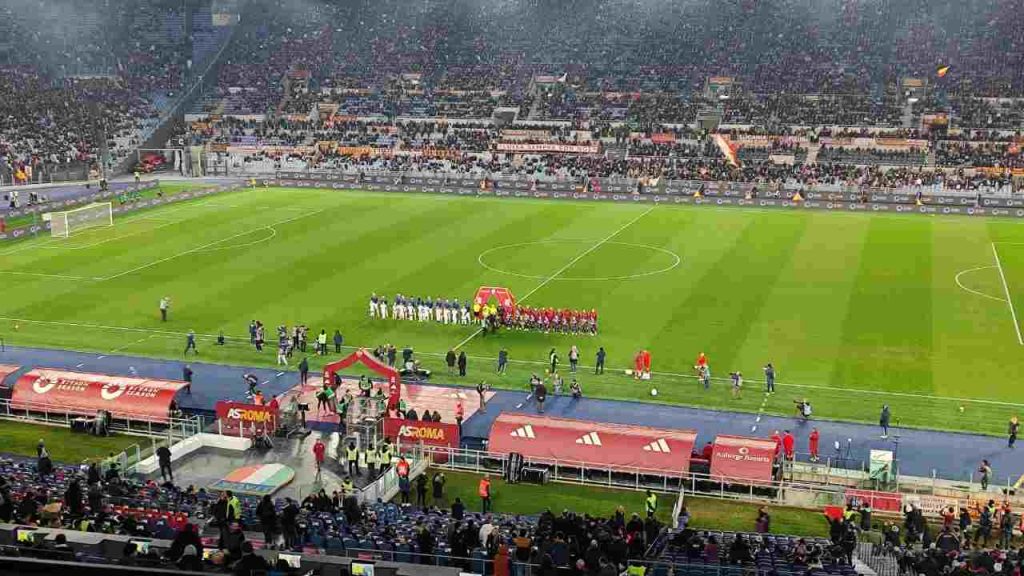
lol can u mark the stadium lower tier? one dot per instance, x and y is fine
(445, 533)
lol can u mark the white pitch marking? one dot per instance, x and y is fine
(100, 242)
(1009, 300)
(273, 233)
(564, 268)
(209, 244)
(126, 346)
(584, 253)
(675, 264)
(40, 274)
(169, 333)
(975, 292)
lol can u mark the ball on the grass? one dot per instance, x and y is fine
(654, 391)
(16, 326)
(961, 409)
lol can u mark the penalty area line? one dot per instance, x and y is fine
(972, 291)
(211, 244)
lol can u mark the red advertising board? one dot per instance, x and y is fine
(7, 369)
(250, 418)
(742, 460)
(84, 394)
(416, 431)
(597, 444)
(879, 501)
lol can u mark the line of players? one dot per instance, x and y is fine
(442, 311)
(553, 320)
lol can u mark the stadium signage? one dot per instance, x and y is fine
(84, 394)
(742, 460)
(540, 147)
(433, 433)
(682, 192)
(233, 415)
(15, 233)
(78, 201)
(879, 501)
(601, 445)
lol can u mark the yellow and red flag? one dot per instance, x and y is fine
(729, 149)
(942, 71)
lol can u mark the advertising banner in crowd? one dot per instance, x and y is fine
(250, 418)
(595, 444)
(543, 147)
(520, 134)
(63, 392)
(742, 460)
(417, 431)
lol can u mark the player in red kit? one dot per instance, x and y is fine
(812, 444)
(787, 445)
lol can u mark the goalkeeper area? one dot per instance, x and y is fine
(64, 224)
(853, 310)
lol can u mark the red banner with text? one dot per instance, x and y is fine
(246, 419)
(879, 501)
(742, 460)
(63, 392)
(416, 431)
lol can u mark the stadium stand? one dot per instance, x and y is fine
(840, 97)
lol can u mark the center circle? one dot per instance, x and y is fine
(672, 260)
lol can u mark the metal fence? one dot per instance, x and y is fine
(131, 423)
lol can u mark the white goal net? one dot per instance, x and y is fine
(63, 224)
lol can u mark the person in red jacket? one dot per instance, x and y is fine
(787, 445)
(812, 444)
(319, 451)
(402, 468)
(484, 491)
(709, 449)
(777, 438)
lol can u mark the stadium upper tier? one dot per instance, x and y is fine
(86, 81)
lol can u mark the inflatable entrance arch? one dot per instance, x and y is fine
(365, 358)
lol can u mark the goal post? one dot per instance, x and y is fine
(67, 222)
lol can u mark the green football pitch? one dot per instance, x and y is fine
(854, 310)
